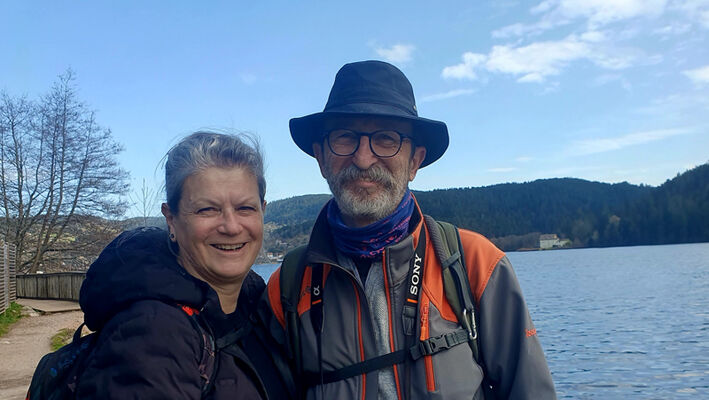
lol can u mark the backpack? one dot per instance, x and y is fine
(446, 243)
(57, 374)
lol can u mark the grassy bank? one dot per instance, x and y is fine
(61, 338)
(9, 317)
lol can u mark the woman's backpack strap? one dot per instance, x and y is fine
(208, 360)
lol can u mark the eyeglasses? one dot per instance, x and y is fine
(384, 143)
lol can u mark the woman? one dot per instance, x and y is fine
(142, 286)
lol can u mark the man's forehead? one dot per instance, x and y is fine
(369, 124)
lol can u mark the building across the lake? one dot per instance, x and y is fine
(549, 241)
(274, 257)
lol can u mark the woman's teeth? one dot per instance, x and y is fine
(229, 246)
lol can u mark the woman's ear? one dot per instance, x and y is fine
(169, 219)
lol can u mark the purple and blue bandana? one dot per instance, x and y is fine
(370, 241)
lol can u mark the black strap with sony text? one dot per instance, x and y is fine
(411, 304)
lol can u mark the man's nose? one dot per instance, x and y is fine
(363, 158)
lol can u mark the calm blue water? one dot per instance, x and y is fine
(619, 323)
(265, 270)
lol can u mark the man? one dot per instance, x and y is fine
(374, 320)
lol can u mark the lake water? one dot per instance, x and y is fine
(622, 322)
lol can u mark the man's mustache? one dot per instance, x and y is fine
(375, 173)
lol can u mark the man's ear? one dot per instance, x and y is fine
(415, 162)
(318, 153)
(169, 218)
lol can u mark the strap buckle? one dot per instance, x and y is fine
(437, 344)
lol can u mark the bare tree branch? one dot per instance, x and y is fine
(58, 166)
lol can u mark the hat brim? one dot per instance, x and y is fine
(431, 134)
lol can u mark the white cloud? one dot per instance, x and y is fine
(446, 95)
(524, 159)
(466, 69)
(543, 7)
(594, 146)
(594, 36)
(537, 61)
(698, 75)
(694, 10)
(398, 53)
(596, 13)
(602, 12)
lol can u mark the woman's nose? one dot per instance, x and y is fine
(230, 224)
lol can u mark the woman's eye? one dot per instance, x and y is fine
(207, 211)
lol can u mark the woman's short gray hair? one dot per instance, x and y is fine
(202, 150)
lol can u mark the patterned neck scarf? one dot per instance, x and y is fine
(370, 241)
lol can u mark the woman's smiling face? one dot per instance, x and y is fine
(219, 225)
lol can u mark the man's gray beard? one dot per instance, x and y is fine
(359, 204)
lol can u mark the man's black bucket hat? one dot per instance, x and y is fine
(372, 89)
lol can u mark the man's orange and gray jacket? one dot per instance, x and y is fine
(360, 323)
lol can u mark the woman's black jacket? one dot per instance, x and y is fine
(148, 348)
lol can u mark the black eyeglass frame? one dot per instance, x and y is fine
(369, 135)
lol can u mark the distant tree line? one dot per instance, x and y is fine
(590, 214)
(513, 215)
(675, 212)
(295, 210)
(60, 180)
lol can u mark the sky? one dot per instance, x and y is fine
(603, 90)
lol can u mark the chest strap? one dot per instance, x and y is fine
(426, 347)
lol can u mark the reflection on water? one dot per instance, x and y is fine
(619, 323)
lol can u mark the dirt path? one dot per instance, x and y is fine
(22, 347)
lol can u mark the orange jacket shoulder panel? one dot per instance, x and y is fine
(481, 257)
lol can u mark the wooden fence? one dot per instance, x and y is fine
(8, 288)
(59, 286)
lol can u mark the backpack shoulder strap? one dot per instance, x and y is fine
(446, 243)
(208, 363)
(291, 275)
(290, 279)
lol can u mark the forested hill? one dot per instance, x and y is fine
(587, 213)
